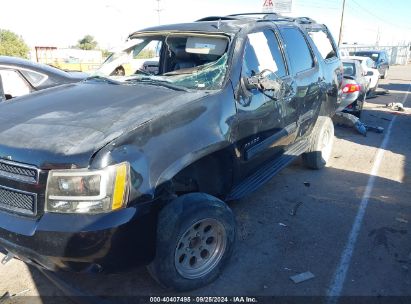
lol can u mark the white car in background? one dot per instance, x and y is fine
(370, 72)
(135, 56)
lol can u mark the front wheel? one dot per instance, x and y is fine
(322, 138)
(195, 238)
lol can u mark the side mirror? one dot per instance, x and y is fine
(265, 81)
(251, 83)
(369, 73)
(382, 60)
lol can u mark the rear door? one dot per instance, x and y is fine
(330, 64)
(305, 72)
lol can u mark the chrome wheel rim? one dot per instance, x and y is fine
(200, 248)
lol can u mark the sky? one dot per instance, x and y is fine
(62, 23)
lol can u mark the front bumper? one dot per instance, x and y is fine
(110, 242)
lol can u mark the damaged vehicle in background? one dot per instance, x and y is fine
(355, 87)
(350, 93)
(21, 77)
(380, 59)
(370, 73)
(128, 59)
(120, 171)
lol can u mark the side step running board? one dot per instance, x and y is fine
(264, 174)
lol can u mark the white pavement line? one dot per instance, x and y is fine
(337, 284)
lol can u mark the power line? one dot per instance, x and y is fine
(378, 17)
(341, 24)
(158, 10)
(320, 6)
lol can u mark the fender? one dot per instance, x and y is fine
(161, 148)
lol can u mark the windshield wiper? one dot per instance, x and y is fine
(102, 78)
(163, 83)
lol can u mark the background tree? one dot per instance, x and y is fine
(87, 43)
(12, 45)
(106, 53)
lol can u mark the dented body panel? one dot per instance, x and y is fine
(176, 141)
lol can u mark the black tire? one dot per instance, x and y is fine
(174, 221)
(318, 154)
(357, 113)
(384, 76)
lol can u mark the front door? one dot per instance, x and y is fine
(266, 119)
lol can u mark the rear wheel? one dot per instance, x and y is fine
(384, 76)
(360, 106)
(322, 138)
(195, 238)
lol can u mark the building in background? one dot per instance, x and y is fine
(68, 59)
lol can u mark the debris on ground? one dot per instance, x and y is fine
(286, 268)
(282, 224)
(293, 211)
(381, 92)
(7, 295)
(298, 278)
(375, 129)
(307, 184)
(361, 128)
(383, 118)
(350, 121)
(401, 220)
(396, 106)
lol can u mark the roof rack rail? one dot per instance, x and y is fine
(304, 20)
(216, 18)
(264, 15)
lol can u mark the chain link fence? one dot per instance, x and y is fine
(400, 54)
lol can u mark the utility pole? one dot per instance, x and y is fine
(341, 24)
(377, 42)
(158, 10)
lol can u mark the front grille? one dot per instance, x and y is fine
(19, 172)
(18, 201)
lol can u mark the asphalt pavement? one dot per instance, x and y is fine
(348, 224)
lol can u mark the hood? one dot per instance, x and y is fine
(66, 125)
(78, 75)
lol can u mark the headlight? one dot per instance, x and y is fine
(88, 191)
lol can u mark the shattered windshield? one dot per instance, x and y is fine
(190, 61)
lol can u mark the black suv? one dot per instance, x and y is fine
(114, 172)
